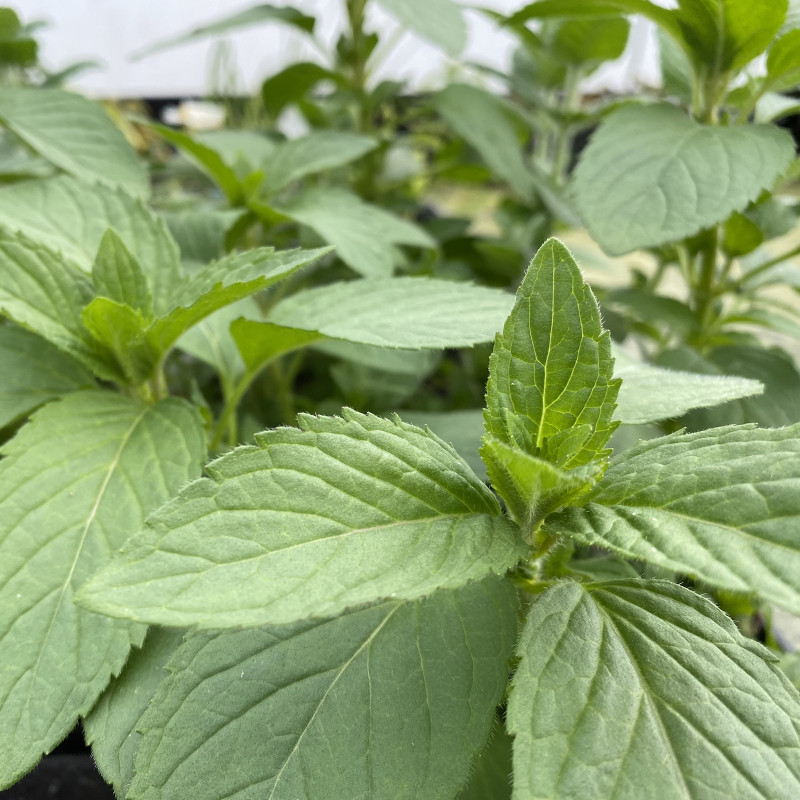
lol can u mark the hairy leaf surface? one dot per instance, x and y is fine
(684, 177)
(550, 389)
(721, 505)
(389, 702)
(643, 689)
(651, 393)
(74, 483)
(75, 134)
(308, 523)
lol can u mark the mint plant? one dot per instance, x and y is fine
(353, 591)
(701, 180)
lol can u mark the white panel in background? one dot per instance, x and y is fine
(111, 30)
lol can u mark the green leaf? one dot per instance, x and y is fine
(117, 276)
(643, 689)
(397, 312)
(440, 21)
(463, 429)
(530, 487)
(258, 343)
(719, 505)
(221, 283)
(582, 41)
(292, 84)
(550, 390)
(491, 777)
(255, 15)
(676, 69)
(649, 393)
(207, 160)
(313, 153)
(725, 35)
(34, 372)
(783, 62)
(309, 523)
(72, 217)
(545, 9)
(771, 366)
(121, 329)
(389, 702)
(76, 135)
(741, 235)
(363, 234)
(111, 726)
(44, 293)
(210, 339)
(485, 122)
(685, 176)
(74, 483)
(200, 233)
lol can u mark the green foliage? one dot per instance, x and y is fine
(351, 603)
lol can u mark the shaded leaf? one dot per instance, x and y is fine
(439, 21)
(389, 702)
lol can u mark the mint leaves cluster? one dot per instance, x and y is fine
(352, 593)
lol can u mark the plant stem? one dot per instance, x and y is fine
(734, 286)
(227, 419)
(563, 142)
(705, 289)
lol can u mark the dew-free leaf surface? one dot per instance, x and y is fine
(720, 505)
(308, 523)
(643, 690)
(74, 483)
(389, 702)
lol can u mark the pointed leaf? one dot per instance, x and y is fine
(389, 702)
(259, 343)
(649, 393)
(783, 62)
(221, 283)
(313, 153)
(643, 689)
(304, 525)
(439, 21)
(34, 371)
(75, 134)
(74, 483)
(255, 15)
(72, 217)
(398, 312)
(721, 505)
(685, 177)
(363, 234)
(550, 389)
(117, 275)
